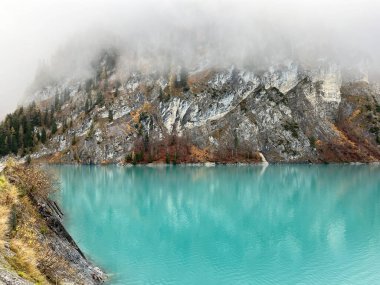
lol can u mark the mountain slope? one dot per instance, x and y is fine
(288, 113)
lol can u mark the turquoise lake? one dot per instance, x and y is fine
(280, 224)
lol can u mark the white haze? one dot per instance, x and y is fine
(66, 35)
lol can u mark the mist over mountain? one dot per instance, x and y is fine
(62, 39)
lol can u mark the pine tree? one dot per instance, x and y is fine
(36, 118)
(87, 106)
(28, 136)
(66, 96)
(12, 142)
(88, 85)
(100, 99)
(6, 145)
(56, 101)
(46, 118)
(64, 126)
(53, 127)
(74, 140)
(3, 142)
(110, 115)
(24, 122)
(43, 135)
(21, 136)
(52, 111)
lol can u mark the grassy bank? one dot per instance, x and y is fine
(33, 242)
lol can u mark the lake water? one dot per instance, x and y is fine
(281, 224)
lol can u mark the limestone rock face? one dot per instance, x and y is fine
(288, 113)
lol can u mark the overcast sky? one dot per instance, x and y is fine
(32, 31)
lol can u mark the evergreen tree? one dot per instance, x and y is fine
(100, 99)
(56, 101)
(15, 123)
(6, 145)
(20, 111)
(87, 106)
(21, 136)
(36, 118)
(19, 131)
(110, 115)
(66, 96)
(24, 122)
(3, 142)
(88, 85)
(53, 127)
(52, 111)
(46, 118)
(28, 135)
(74, 140)
(43, 135)
(12, 142)
(64, 126)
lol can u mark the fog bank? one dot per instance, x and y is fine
(63, 37)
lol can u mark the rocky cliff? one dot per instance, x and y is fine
(287, 112)
(35, 248)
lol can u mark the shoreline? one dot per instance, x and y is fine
(187, 164)
(49, 159)
(39, 232)
(206, 164)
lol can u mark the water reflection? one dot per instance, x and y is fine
(226, 225)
